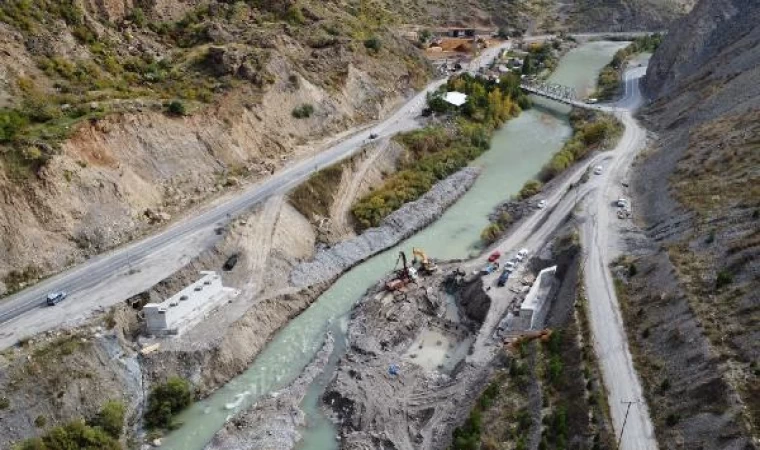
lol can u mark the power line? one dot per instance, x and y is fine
(625, 420)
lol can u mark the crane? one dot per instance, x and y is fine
(404, 276)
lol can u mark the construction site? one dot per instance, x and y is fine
(424, 342)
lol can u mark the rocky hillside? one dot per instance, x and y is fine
(624, 15)
(695, 305)
(116, 115)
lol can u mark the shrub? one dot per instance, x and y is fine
(632, 270)
(304, 111)
(4, 403)
(295, 16)
(672, 419)
(40, 421)
(167, 400)
(490, 233)
(111, 418)
(373, 44)
(724, 278)
(529, 189)
(12, 123)
(74, 435)
(176, 108)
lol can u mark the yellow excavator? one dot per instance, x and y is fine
(428, 267)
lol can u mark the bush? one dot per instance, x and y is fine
(12, 123)
(167, 400)
(304, 111)
(40, 421)
(672, 419)
(632, 270)
(529, 189)
(4, 403)
(373, 44)
(724, 278)
(490, 233)
(111, 418)
(75, 435)
(176, 108)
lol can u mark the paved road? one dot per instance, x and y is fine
(117, 275)
(598, 217)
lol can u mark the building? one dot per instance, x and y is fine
(187, 307)
(455, 98)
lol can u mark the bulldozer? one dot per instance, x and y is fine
(404, 276)
(428, 267)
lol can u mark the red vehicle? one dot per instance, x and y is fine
(494, 256)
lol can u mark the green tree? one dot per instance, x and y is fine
(166, 400)
(111, 418)
(177, 108)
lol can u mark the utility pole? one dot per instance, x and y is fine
(628, 410)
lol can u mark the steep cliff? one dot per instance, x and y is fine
(693, 301)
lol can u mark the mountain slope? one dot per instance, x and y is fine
(695, 308)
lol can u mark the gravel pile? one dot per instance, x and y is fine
(332, 261)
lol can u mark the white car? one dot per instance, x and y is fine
(522, 254)
(598, 170)
(622, 203)
(541, 204)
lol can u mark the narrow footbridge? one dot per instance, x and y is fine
(560, 93)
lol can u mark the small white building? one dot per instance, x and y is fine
(187, 307)
(455, 98)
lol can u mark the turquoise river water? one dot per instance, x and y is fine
(518, 151)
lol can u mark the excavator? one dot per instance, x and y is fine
(428, 267)
(513, 342)
(404, 276)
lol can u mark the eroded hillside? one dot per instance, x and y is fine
(693, 303)
(117, 115)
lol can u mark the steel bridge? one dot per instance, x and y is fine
(560, 93)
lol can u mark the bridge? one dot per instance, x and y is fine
(560, 93)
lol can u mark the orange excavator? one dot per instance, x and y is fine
(514, 341)
(404, 276)
(428, 266)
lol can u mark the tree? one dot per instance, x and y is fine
(166, 400)
(11, 124)
(111, 418)
(177, 108)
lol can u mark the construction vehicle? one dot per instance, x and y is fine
(428, 267)
(514, 341)
(404, 276)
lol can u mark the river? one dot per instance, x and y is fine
(518, 151)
